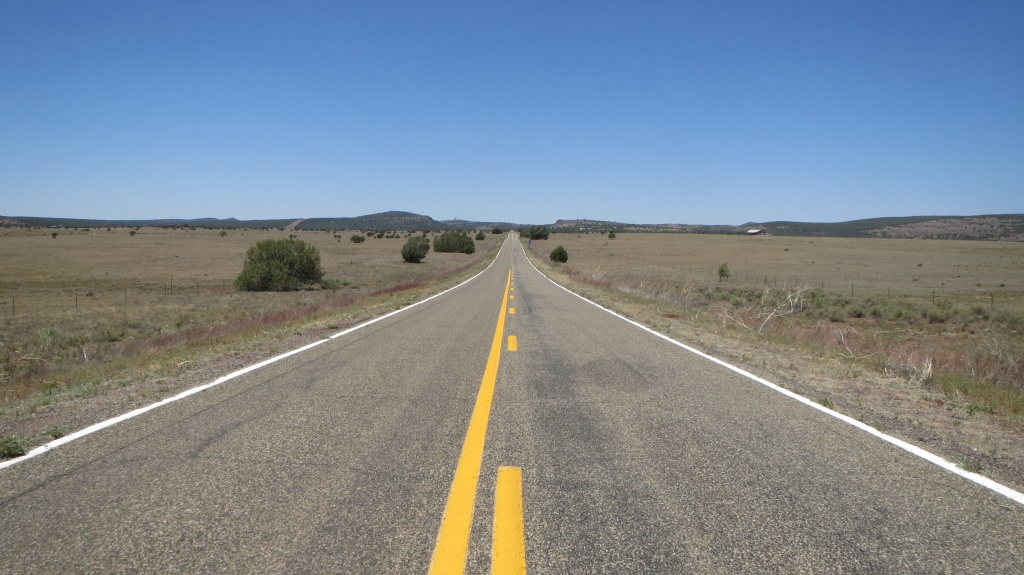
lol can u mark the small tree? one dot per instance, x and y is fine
(480, 236)
(454, 241)
(280, 265)
(723, 272)
(536, 233)
(559, 255)
(611, 235)
(496, 231)
(415, 249)
(223, 233)
(358, 239)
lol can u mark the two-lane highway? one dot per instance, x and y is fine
(640, 457)
(635, 456)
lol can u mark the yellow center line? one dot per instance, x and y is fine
(453, 536)
(511, 310)
(513, 343)
(508, 550)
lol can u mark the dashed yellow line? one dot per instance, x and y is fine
(508, 550)
(511, 310)
(453, 536)
(513, 343)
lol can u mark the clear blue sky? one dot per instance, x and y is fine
(527, 111)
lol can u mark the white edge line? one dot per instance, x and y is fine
(126, 416)
(923, 454)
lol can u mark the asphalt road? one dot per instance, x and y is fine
(636, 457)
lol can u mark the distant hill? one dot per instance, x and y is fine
(381, 221)
(1005, 227)
(394, 220)
(163, 223)
(617, 227)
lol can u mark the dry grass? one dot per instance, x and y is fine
(907, 308)
(94, 306)
(922, 338)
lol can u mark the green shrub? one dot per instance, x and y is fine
(496, 231)
(415, 249)
(723, 272)
(13, 445)
(358, 239)
(480, 236)
(280, 265)
(559, 255)
(454, 242)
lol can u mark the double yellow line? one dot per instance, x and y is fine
(508, 552)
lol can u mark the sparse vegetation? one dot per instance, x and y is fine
(868, 321)
(280, 265)
(169, 297)
(723, 272)
(358, 239)
(972, 466)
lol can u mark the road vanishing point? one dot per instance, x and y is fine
(503, 426)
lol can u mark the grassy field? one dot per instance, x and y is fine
(920, 338)
(962, 270)
(948, 313)
(88, 297)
